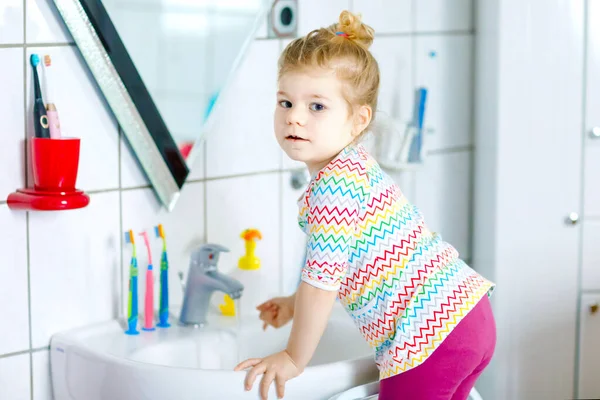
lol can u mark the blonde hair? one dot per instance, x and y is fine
(343, 47)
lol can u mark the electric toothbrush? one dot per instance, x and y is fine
(51, 110)
(40, 118)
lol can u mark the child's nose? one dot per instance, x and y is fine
(296, 116)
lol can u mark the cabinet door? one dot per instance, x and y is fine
(590, 274)
(592, 114)
(589, 350)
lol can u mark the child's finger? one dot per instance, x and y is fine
(266, 315)
(265, 305)
(251, 362)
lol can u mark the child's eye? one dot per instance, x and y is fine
(317, 107)
(285, 104)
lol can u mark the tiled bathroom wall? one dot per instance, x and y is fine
(61, 270)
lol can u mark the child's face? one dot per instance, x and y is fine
(312, 119)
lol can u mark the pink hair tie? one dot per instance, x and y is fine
(344, 34)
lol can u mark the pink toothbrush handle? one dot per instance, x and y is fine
(149, 301)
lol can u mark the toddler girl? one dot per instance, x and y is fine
(425, 312)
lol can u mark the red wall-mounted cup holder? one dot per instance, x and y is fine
(54, 163)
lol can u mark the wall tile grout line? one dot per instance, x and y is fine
(451, 150)
(121, 233)
(424, 34)
(243, 175)
(23, 352)
(40, 349)
(14, 354)
(27, 215)
(28, 258)
(98, 191)
(413, 56)
(31, 45)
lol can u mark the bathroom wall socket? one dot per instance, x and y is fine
(283, 19)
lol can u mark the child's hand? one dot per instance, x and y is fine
(277, 312)
(279, 367)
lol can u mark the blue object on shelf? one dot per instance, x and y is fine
(414, 155)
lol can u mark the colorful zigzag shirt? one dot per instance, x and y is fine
(405, 288)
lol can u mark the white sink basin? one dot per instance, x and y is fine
(100, 362)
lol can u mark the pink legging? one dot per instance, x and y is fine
(451, 371)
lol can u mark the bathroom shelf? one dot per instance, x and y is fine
(35, 200)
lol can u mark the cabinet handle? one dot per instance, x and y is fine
(594, 308)
(572, 219)
(595, 132)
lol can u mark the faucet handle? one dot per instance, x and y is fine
(207, 256)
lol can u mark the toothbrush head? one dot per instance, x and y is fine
(159, 231)
(35, 60)
(129, 238)
(47, 60)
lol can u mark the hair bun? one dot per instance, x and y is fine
(352, 26)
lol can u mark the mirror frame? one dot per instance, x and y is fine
(130, 101)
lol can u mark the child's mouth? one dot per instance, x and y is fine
(295, 138)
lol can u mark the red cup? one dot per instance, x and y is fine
(55, 163)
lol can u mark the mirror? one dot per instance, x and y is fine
(162, 66)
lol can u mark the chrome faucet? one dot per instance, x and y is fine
(202, 280)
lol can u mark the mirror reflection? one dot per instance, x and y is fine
(185, 52)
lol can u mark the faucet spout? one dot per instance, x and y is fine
(203, 280)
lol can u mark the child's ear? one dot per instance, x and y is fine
(362, 118)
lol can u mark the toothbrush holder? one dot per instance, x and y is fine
(55, 162)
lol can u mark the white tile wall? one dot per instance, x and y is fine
(233, 205)
(385, 16)
(293, 240)
(243, 141)
(443, 193)
(75, 267)
(395, 60)
(42, 383)
(14, 377)
(314, 14)
(44, 24)
(13, 288)
(443, 15)
(444, 65)
(11, 113)
(11, 22)
(76, 259)
(131, 171)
